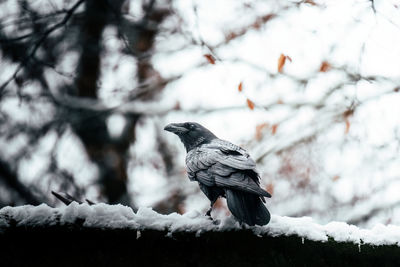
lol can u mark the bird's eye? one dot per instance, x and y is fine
(192, 126)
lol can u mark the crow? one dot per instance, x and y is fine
(223, 169)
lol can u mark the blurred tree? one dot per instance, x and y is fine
(87, 85)
(37, 39)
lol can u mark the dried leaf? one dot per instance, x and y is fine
(270, 188)
(310, 2)
(335, 178)
(177, 106)
(349, 112)
(250, 104)
(346, 131)
(259, 129)
(281, 62)
(210, 58)
(230, 36)
(240, 87)
(256, 25)
(280, 101)
(267, 17)
(274, 128)
(262, 20)
(325, 66)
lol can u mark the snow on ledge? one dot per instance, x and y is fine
(119, 216)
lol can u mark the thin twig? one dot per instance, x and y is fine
(46, 33)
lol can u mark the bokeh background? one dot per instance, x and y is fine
(309, 88)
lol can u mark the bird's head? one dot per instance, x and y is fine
(192, 134)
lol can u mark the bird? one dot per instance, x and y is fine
(223, 169)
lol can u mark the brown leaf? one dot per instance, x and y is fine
(335, 178)
(274, 128)
(256, 25)
(177, 106)
(262, 20)
(267, 17)
(280, 101)
(325, 66)
(310, 2)
(346, 131)
(259, 129)
(240, 87)
(281, 62)
(349, 112)
(270, 188)
(230, 36)
(250, 104)
(210, 58)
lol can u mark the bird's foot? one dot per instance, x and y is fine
(208, 213)
(216, 222)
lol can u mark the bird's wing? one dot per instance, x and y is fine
(241, 181)
(231, 155)
(224, 164)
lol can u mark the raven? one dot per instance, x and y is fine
(223, 169)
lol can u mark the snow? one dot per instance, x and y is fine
(119, 216)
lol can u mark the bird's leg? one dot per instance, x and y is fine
(208, 213)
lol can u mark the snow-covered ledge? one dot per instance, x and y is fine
(288, 236)
(122, 217)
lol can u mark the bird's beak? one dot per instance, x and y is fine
(175, 128)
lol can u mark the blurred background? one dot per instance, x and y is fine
(310, 88)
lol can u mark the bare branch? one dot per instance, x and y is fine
(38, 43)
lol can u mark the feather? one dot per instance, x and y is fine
(247, 208)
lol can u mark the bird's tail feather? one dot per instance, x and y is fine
(68, 199)
(247, 207)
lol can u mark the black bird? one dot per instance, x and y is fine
(223, 169)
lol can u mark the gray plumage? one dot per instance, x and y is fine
(223, 169)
